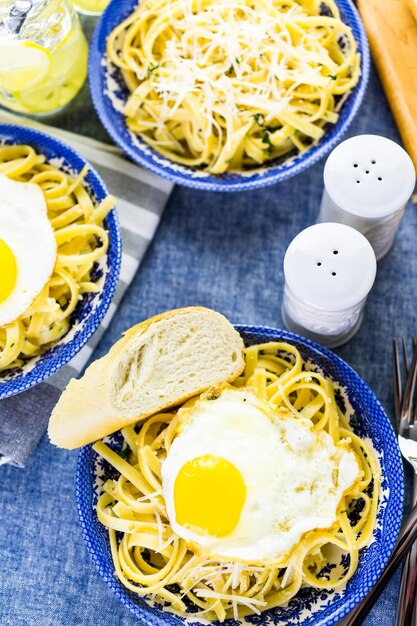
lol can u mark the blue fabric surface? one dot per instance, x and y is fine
(224, 251)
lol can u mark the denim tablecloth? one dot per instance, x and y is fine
(223, 251)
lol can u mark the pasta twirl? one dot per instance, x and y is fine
(81, 240)
(232, 84)
(150, 559)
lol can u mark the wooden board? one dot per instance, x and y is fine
(413, 7)
(392, 33)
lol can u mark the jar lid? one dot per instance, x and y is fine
(369, 176)
(330, 266)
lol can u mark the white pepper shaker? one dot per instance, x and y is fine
(368, 180)
(329, 270)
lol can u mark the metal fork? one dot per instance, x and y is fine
(406, 418)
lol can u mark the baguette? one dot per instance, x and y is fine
(157, 364)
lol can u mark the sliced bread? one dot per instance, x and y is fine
(155, 365)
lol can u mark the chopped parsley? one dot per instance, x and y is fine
(124, 452)
(267, 139)
(231, 68)
(152, 67)
(259, 119)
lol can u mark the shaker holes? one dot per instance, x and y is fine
(379, 178)
(355, 165)
(318, 264)
(335, 251)
(333, 273)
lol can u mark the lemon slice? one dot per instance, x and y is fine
(23, 64)
(68, 70)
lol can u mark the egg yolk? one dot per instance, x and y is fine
(209, 494)
(8, 271)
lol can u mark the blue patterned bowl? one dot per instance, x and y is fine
(93, 307)
(109, 93)
(310, 607)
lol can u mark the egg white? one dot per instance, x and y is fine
(294, 476)
(25, 228)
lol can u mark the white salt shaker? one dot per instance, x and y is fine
(329, 270)
(368, 180)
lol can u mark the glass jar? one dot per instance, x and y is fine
(43, 55)
(91, 7)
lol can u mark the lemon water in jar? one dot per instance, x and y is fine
(91, 7)
(43, 55)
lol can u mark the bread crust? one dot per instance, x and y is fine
(86, 412)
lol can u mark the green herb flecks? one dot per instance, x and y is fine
(124, 452)
(259, 119)
(231, 68)
(266, 138)
(151, 68)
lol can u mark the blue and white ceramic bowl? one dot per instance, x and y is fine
(93, 307)
(109, 94)
(310, 607)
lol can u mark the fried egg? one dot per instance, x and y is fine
(245, 481)
(27, 247)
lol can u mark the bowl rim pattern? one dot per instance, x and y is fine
(373, 559)
(60, 354)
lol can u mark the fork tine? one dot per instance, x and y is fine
(414, 344)
(407, 403)
(405, 358)
(397, 382)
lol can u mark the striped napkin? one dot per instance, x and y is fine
(141, 198)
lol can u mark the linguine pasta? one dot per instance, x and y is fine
(151, 560)
(231, 84)
(81, 241)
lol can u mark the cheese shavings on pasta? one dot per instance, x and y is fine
(151, 560)
(230, 84)
(81, 241)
